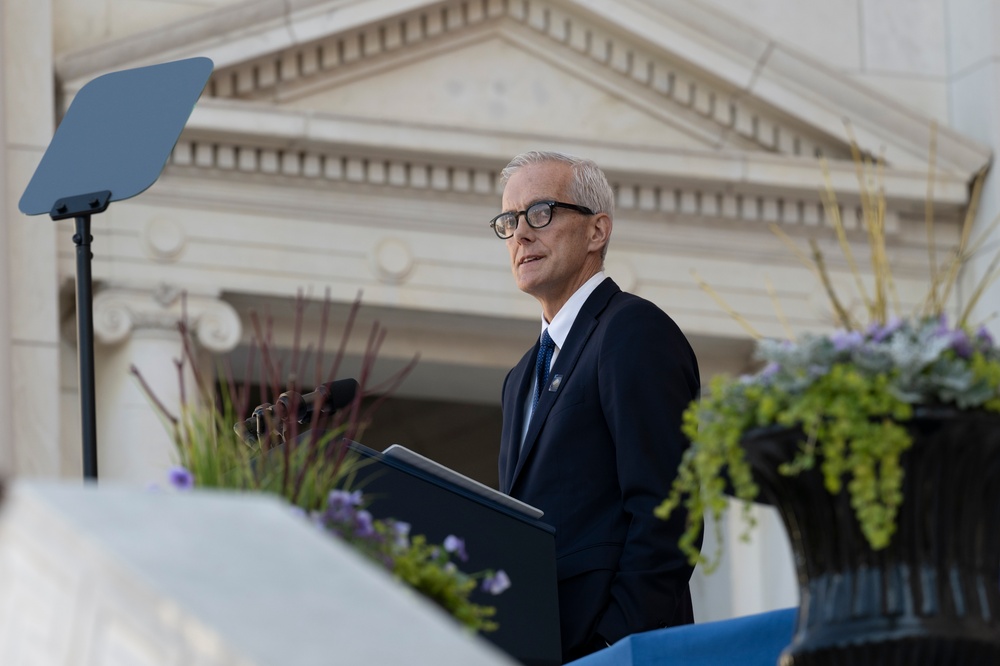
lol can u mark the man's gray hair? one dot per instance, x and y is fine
(590, 186)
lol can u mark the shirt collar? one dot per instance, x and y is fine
(560, 325)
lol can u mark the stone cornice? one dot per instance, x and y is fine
(304, 185)
(706, 64)
(234, 137)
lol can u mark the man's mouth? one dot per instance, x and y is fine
(527, 259)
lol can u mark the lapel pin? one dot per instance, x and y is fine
(556, 381)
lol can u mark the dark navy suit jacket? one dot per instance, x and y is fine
(600, 453)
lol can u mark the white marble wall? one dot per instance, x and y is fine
(31, 411)
(974, 75)
(6, 457)
(939, 58)
(898, 47)
(85, 23)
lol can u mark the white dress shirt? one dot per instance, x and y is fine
(558, 330)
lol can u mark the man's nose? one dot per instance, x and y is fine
(523, 231)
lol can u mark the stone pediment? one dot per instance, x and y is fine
(663, 75)
(341, 121)
(492, 84)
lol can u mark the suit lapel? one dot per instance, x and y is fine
(520, 383)
(583, 327)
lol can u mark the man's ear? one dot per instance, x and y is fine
(600, 231)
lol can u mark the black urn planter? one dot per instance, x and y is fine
(933, 595)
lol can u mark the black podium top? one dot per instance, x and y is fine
(497, 534)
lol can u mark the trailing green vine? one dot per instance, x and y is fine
(851, 395)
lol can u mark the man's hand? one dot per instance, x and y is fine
(269, 424)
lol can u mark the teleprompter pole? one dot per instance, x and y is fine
(85, 347)
(81, 208)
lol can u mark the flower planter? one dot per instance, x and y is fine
(933, 595)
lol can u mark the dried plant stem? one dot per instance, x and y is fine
(843, 317)
(964, 251)
(932, 295)
(790, 244)
(881, 270)
(160, 407)
(991, 274)
(348, 327)
(887, 275)
(818, 266)
(270, 371)
(324, 323)
(886, 285)
(300, 310)
(388, 387)
(740, 319)
(778, 310)
(833, 209)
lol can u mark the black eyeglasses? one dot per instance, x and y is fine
(537, 215)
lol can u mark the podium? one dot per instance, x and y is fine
(498, 535)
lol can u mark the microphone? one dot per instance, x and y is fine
(328, 398)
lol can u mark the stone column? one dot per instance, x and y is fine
(29, 326)
(6, 457)
(136, 327)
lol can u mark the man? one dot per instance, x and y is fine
(595, 443)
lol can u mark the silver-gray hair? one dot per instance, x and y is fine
(589, 187)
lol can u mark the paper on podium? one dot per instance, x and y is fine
(425, 464)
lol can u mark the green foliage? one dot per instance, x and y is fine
(303, 472)
(851, 395)
(313, 472)
(426, 568)
(851, 392)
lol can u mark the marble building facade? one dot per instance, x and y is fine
(354, 146)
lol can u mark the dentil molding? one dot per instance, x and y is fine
(118, 312)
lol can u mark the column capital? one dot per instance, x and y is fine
(118, 311)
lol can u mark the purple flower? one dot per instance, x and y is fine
(180, 478)
(770, 370)
(401, 534)
(496, 583)
(453, 544)
(879, 333)
(942, 327)
(342, 504)
(960, 343)
(846, 340)
(364, 526)
(984, 336)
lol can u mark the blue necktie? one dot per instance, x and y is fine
(542, 362)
